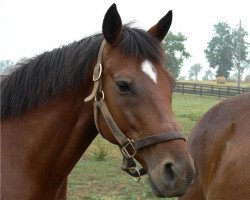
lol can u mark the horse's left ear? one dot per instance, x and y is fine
(160, 30)
(112, 25)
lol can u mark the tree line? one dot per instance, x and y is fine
(227, 50)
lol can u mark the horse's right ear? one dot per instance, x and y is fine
(112, 25)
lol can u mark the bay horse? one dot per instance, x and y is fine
(220, 146)
(48, 120)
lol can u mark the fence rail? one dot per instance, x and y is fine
(209, 90)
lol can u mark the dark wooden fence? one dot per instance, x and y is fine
(209, 90)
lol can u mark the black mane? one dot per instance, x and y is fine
(51, 73)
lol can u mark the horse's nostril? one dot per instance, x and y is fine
(169, 174)
(169, 170)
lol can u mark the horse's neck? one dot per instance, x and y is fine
(48, 141)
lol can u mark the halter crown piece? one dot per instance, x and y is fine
(128, 147)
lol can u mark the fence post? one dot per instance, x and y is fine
(219, 93)
(201, 91)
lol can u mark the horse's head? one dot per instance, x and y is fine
(137, 91)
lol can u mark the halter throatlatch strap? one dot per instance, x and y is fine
(128, 146)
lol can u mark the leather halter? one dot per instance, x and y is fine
(125, 143)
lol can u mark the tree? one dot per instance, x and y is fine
(247, 79)
(208, 75)
(23, 60)
(190, 75)
(176, 52)
(222, 51)
(194, 71)
(182, 78)
(219, 52)
(5, 64)
(240, 52)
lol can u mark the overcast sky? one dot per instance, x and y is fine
(30, 27)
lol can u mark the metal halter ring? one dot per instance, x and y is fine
(102, 96)
(135, 169)
(125, 151)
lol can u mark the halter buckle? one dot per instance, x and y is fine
(125, 151)
(97, 72)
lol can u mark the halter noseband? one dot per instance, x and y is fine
(125, 143)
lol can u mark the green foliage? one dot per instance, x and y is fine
(247, 79)
(219, 52)
(208, 75)
(194, 71)
(223, 49)
(100, 153)
(176, 52)
(241, 49)
(182, 78)
(5, 64)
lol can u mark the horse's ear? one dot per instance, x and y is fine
(160, 30)
(112, 25)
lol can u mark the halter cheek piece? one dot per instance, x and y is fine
(125, 143)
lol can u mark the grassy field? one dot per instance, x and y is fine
(92, 179)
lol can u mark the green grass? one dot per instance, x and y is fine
(103, 179)
(189, 108)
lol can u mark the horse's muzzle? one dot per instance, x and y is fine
(173, 179)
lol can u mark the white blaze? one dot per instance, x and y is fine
(149, 70)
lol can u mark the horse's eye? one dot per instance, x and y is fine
(122, 86)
